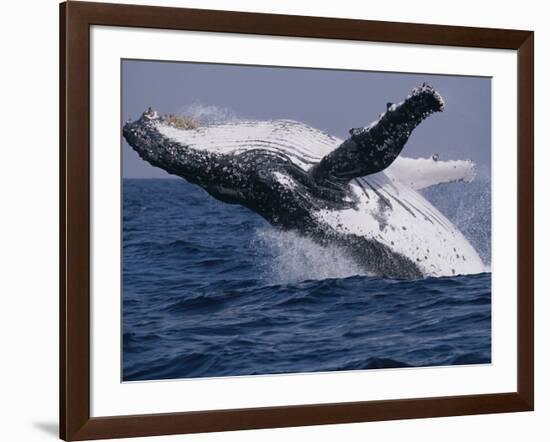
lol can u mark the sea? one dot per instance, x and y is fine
(211, 289)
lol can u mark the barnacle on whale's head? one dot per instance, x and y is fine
(180, 121)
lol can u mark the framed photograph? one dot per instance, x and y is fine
(272, 221)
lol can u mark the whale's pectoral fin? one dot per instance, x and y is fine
(420, 173)
(373, 148)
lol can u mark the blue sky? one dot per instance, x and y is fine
(331, 100)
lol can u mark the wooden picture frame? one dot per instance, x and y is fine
(75, 21)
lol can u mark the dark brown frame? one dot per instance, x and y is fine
(75, 21)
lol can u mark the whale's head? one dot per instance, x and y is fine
(247, 163)
(209, 156)
(157, 139)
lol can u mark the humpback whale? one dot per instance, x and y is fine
(358, 194)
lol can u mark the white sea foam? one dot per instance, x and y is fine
(293, 258)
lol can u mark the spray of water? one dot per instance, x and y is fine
(292, 258)
(206, 114)
(468, 207)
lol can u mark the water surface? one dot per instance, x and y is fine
(210, 289)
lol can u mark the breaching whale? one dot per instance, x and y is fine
(358, 193)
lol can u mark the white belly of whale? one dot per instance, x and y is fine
(398, 217)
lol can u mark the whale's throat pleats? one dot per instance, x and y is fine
(372, 149)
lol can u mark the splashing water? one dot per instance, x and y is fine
(292, 258)
(468, 207)
(207, 114)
